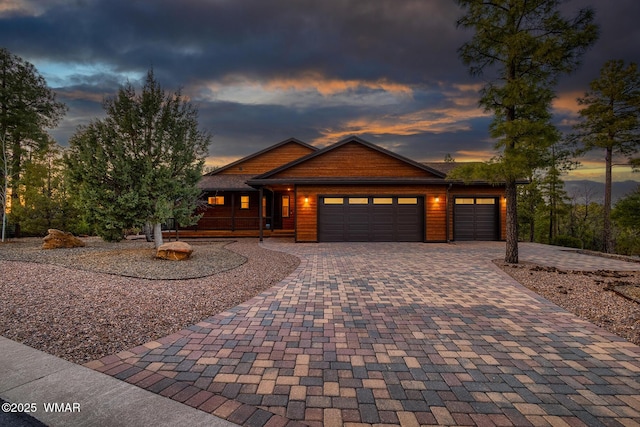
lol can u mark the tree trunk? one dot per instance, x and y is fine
(511, 196)
(148, 231)
(157, 234)
(551, 217)
(4, 222)
(606, 235)
(532, 230)
(552, 211)
(532, 223)
(16, 165)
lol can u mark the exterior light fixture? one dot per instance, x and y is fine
(306, 199)
(437, 199)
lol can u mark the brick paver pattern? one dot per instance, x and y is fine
(398, 334)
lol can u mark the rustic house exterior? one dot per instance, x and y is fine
(350, 191)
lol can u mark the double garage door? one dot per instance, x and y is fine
(371, 219)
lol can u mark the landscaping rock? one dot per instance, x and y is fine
(175, 251)
(60, 239)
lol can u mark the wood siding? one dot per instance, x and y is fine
(307, 211)
(270, 160)
(354, 160)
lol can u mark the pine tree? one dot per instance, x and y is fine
(141, 163)
(44, 200)
(27, 109)
(524, 46)
(610, 121)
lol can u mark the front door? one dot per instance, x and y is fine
(283, 214)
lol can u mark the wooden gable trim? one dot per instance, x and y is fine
(345, 141)
(261, 152)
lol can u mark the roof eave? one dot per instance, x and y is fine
(344, 180)
(370, 181)
(245, 188)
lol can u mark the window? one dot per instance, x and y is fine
(465, 201)
(382, 200)
(244, 202)
(285, 206)
(358, 200)
(333, 200)
(407, 200)
(216, 200)
(491, 201)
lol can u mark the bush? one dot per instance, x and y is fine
(110, 234)
(567, 241)
(627, 244)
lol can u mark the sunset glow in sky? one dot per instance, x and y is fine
(263, 71)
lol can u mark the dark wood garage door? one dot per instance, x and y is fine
(475, 218)
(370, 219)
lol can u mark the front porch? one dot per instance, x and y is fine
(183, 234)
(244, 213)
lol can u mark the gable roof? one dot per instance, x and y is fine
(260, 153)
(431, 174)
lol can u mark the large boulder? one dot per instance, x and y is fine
(175, 251)
(60, 239)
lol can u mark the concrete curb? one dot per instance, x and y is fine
(85, 397)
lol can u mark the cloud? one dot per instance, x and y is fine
(567, 102)
(305, 91)
(12, 8)
(262, 71)
(431, 121)
(473, 156)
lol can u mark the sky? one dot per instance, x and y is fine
(262, 71)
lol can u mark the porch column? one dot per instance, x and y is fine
(233, 212)
(260, 212)
(273, 210)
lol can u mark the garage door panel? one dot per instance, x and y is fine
(476, 219)
(332, 223)
(486, 224)
(382, 219)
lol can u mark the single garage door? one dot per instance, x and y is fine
(370, 219)
(475, 218)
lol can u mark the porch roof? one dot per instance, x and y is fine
(225, 183)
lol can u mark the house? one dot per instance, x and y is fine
(349, 191)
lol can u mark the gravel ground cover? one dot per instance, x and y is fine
(55, 301)
(589, 295)
(85, 303)
(130, 258)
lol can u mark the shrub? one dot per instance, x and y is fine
(567, 241)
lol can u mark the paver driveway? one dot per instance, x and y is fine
(397, 333)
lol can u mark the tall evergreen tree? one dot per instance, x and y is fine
(558, 162)
(627, 210)
(27, 109)
(141, 163)
(524, 46)
(529, 200)
(44, 200)
(610, 121)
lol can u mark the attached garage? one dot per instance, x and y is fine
(355, 191)
(370, 218)
(476, 218)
